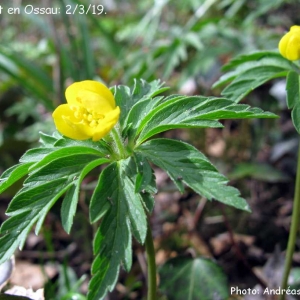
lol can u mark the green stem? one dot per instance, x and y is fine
(151, 265)
(121, 151)
(293, 231)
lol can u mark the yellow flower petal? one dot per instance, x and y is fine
(106, 124)
(66, 123)
(94, 101)
(289, 45)
(88, 85)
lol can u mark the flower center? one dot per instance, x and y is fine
(87, 116)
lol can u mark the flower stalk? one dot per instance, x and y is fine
(118, 142)
(293, 231)
(151, 264)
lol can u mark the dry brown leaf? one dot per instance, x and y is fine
(222, 242)
(31, 275)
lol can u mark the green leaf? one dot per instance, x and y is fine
(296, 116)
(136, 114)
(70, 201)
(126, 97)
(74, 168)
(13, 174)
(190, 112)
(185, 164)
(292, 89)
(101, 146)
(192, 279)
(145, 179)
(102, 196)
(36, 154)
(141, 173)
(111, 242)
(252, 71)
(246, 82)
(29, 206)
(143, 89)
(35, 197)
(61, 153)
(113, 235)
(38, 188)
(134, 202)
(293, 97)
(68, 166)
(47, 140)
(115, 185)
(116, 200)
(270, 58)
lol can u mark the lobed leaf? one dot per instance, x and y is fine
(13, 174)
(246, 82)
(190, 112)
(53, 171)
(51, 154)
(115, 199)
(61, 167)
(185, 164)
(251, 71)
(272, 58)
(36, 154)
(70, 201)
(29, 206)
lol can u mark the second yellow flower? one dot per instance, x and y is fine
(289, 45)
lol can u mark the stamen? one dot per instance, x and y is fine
(86, 116)
(97, 115)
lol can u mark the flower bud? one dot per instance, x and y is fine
(289, 45)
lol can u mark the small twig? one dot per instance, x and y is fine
(61, 254)
(198, 212)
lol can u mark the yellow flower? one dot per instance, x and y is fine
(289, 45)
(91, 111)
